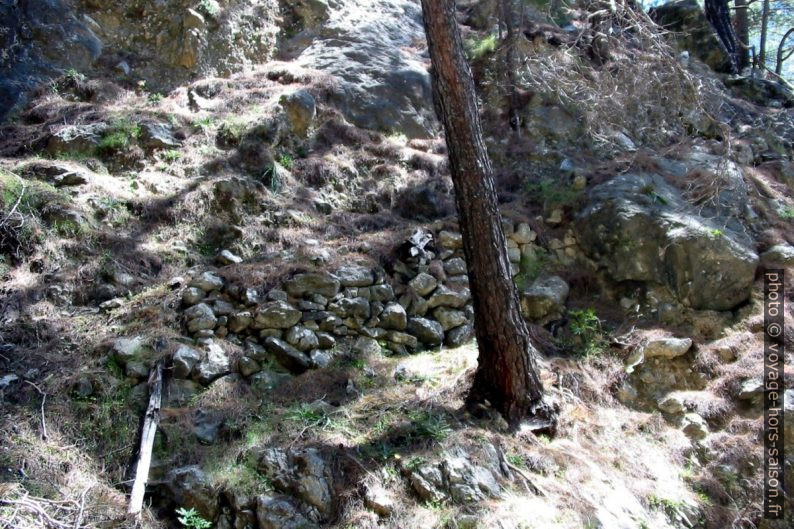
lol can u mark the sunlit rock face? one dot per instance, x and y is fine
(375, 51)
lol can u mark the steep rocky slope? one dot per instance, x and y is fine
(256, 196)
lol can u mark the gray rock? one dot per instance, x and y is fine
(277, 295)
(250, 296)
(460, 335)
(206, 426)
(123, 350)
(302, 338)
(778, 255)
(268, 380)
(751, 389)
(455, 266)
(640, 228)
(320, 358)
(56, 173)
(468, 482)
(325, 340)
(523, 234)
(383, 292)
(446, 297)
(355, 276)
(667, 347)
(227, 258)
(301, 110)
(301, 473)
(671, 404)
(82, 387)
(240, 321)
(208, 282)
(693, 32)
(200, 317)
(222, 308)
(137, 370)
(277, 315)
(180, 392)
(694, 426)
(76, 138)
(213, 365)
(287, 356)
(351, 308)
(423, 284)
(429, 332)
(248, 366)
(400, 338)
(393, 317)
(450, 240)
(158, 136)
(379, 500)
(380, 83)
(449, 318)
(279, 513)
(544, 299)
(192, 295)
(364, 346)
(189, 487)
(313, 283)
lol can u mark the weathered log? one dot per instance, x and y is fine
(150, 422)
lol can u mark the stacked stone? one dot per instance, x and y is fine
(423, 302)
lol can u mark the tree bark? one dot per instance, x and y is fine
(762, 43)
(742, 25)
(506, 374)
(511, 64)
(781, 55)
(718, 15)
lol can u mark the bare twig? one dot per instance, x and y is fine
(43, 400)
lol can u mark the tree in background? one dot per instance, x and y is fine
(741, 22)
(506, 374)
(719, 16)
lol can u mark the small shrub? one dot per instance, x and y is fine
(531, 268)
(171, 155)
(586, 327)
(73, 74)
(191, 519)
(210, 7)
(430, 425)
(286, 161)
(477, 48)
(120, 136)
(787, 213)
(306, 414)
(155, 98)
(552, 193)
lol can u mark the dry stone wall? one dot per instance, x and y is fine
(422, 302)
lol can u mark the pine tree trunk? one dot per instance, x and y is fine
(742, 24)
(506, 375)
(511, 64)
(781, 55)
(762, 43)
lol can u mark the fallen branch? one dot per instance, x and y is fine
(151, 419)
(43, 400)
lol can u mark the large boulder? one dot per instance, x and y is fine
(693, 33)
(39, 40)
(277, 315)
(639, 228)
(303, 474)
(366, 46)
(189, 487)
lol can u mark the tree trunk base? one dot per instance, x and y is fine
(539, 417)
